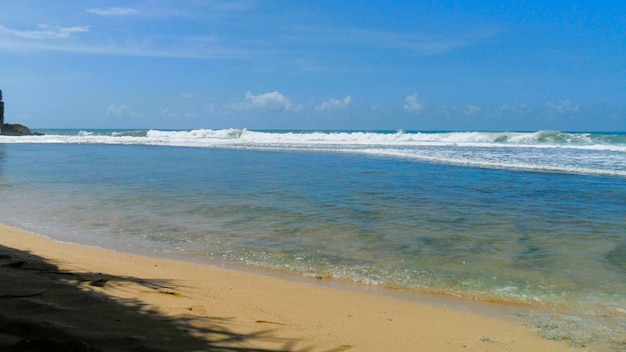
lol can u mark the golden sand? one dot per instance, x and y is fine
(73, 297)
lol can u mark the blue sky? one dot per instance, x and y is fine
(425, 65)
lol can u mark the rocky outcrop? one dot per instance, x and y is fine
(9, 129)
(1, 110)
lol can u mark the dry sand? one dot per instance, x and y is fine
(64, 297)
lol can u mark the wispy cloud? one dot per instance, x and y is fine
(113, 11)
(44, 32)
(238, 40)
(49, 38)
(419, 44)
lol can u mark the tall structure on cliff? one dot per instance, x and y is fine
(1, 110)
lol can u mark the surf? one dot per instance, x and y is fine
(591, 153)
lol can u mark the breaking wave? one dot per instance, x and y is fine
(543, 151)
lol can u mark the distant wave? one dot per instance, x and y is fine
(542, 151)
(114, 133)
(244, 137)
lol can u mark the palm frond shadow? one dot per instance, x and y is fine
(43, 308)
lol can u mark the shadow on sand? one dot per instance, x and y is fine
(45, 309)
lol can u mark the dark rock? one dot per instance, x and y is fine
(9, 129)
(1, 110)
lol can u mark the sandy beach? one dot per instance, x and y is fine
(65, 297)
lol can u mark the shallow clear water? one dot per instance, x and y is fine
(555, 240)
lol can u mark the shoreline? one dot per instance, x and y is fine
(501, 309)
(116, 296)
(498, 308)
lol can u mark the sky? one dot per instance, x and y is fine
(315, 65)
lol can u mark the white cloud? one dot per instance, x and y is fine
(334, 104)
(273, 101)
(44, 32)
(412, 104)
(564, 107)
(187, 95)
(113, 11)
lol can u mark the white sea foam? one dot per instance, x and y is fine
(546, 151)
(209, 137)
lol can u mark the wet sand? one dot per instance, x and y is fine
(65, 297)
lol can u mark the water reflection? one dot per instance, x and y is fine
(2, 158)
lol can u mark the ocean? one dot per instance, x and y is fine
(534, 219)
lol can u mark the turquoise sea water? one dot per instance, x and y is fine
(537, 218)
